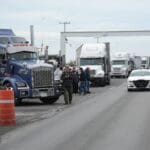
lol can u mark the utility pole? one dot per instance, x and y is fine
(64, 23)
(62, 51)
(32, 34)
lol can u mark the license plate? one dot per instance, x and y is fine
(43, 94)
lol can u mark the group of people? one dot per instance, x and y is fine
(73, 81)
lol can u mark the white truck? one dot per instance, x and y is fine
(145, 62)
(97, 58)
(122, 65)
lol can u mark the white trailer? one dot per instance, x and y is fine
(97, 58)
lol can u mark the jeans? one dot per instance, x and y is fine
(87, 86)
(82, 87)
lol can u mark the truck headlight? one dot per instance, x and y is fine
(130, 83)
(21, 84)
(124, 69)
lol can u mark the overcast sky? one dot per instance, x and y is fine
(84, 15)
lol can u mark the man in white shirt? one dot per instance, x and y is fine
(58, 73)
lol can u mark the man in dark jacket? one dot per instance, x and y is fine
(67, 80)
(75, 80)
(82, 78)
(87, 76)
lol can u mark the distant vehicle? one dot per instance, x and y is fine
(7, 36)
(137, 60)
(145, 62)
(122, 65)
(139, 79)
(97, 58)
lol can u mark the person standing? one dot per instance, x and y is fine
(82, 88)
(87, 76)
(75, 80)
(67, 81)
(58, 73)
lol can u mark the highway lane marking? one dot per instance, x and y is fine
(25, 114)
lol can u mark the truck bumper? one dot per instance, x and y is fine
(97, 80)
(39, 92)
(121, 73)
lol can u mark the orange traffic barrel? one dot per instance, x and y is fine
(7, 108)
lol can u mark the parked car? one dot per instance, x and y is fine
(138, 80)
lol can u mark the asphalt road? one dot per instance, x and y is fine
(109, 119)
(34, 110)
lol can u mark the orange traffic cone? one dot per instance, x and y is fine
(7, 107)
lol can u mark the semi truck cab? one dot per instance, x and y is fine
(21, 69)
(95, 56)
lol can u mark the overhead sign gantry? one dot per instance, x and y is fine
(64, 35)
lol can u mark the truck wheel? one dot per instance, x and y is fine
(17, 101)
(48, 100)
(102, 83)
(108, 80)
(124, 76)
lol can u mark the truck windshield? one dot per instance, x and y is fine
(144, 62)
(18, 40)
(118, 62)
(23, 56)
(91, 61)
(4, 40)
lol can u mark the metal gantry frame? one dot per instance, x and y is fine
(64, 35)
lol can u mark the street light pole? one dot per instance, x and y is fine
(64, 23)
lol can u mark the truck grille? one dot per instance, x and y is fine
(117, 69)
(141, 83)
(42, 77)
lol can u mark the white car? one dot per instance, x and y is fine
(139, 79)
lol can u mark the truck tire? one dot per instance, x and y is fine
(47, 100)
(17, 101)
(102, 83)
(108, 80)
(124, 76)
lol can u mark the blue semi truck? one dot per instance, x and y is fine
(21, 69)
